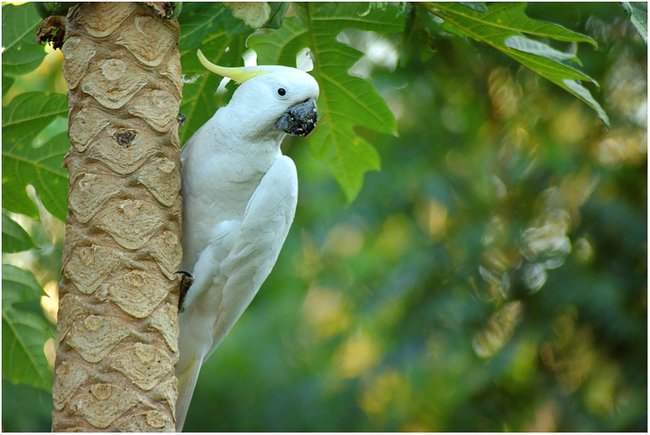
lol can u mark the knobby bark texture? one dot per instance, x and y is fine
(118, 323)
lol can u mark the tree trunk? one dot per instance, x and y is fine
(118, 324)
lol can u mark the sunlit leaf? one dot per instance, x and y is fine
(23, 331)
(22, 164)
(477, 6)
(14, 237)
(345, 101)
(531, 46)
(638, 12)
(19, 285)
(583, 93)
(503, 26)
(21, 53)
(29, 113)
(40, 167)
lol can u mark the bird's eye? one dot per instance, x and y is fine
(282, 92)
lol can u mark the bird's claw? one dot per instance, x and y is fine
(186, 282)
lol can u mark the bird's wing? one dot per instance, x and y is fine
(202, 302)
(231, 270)
(264, 228)
(221, 242)
(186, 384)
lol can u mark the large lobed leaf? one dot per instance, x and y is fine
(345, 101)
(221, 37)
(22, 164)
(638, 12)
(504, 26)
(22, 53)
(23, 331)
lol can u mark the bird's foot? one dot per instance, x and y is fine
(186, 282)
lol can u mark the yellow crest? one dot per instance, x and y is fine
(240, 75)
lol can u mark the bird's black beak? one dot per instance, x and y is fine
(299, 120)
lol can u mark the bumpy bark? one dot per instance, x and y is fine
(118, 324)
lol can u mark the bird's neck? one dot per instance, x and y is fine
(246, 135)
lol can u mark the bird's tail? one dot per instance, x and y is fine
(186, 383)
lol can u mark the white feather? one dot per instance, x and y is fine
(240, 197)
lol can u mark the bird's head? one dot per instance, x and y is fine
(274, 98)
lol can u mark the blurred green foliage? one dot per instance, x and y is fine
(492, 276)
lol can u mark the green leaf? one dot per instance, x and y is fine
(531, 46)
(202, 19)
(504, 26)
(278, 11)
(584, 94)
(40, 167)
(222, 38)
(19, 285)
(23, 358)
(23, 332)
(638, 12)
(14, 237)
(22, 53)
(22, 164)
(6, 84)
(29, 113)
(345, 101)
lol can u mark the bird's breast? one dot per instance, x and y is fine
(215, 189)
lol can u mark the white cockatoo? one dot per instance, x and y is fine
(239, 195)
